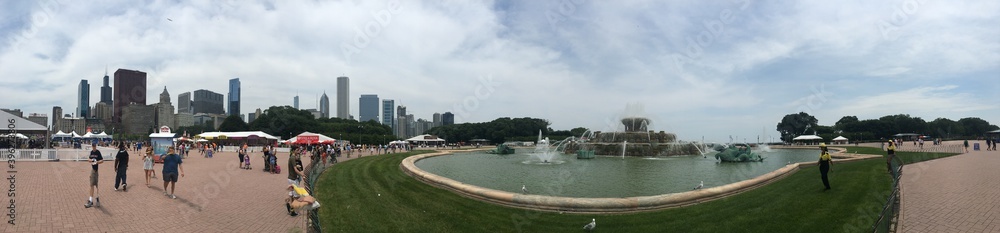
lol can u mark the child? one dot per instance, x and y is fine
(246, 161)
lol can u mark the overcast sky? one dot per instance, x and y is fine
(698, 68)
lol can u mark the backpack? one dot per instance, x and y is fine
(277, 169)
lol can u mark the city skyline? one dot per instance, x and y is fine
(711, 69)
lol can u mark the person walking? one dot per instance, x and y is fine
(824, 165)
(147, 164)
(121, 168)
(890, 155)
(988, 143)
(240, 153)
(966, 143)
(95, 159)
(171, 164)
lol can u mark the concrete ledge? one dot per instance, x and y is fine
(602, 205)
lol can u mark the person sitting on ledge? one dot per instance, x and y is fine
(300, 201)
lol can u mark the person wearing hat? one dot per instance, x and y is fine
(890, 155)
(824, 165)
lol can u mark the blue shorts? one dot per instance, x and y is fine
(170, 177)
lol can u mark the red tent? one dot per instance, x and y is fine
(307, 138)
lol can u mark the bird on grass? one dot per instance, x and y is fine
(701, 185)
(524, 189)
(590, 226)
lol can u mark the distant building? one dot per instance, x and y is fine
(368, 108)
(206, 101)
(295, 102)
(401, 126)
(324, 105)
(234, 97)
(447, 118)
(316, 113)
(205, 118)
(421, 126)
(39, 118)
(138, 119)
(183, 119)
(165, 111)
(343, 94)
(104, 111)
(130, 87)
(106, 90)
(411, 126)
(184, 103)
(56, 118)
(388, 113)
(251, 116)
(83, 99)
(436, 120)
(16, 112)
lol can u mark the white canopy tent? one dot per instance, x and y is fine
(75, 135)
(840, 140)
(244, 134)
(310, 138)
(425, 139)
(807, 138)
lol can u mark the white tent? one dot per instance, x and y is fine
(61, 134)
(75, 135)
(840, 140)
(102, 135)
(245, 134)
(425, 138)
(16, 135)
(88, 135)
(807, 137)
(310, 138)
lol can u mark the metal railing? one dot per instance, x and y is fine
(888, 218)
(316, 168)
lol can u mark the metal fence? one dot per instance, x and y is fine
(888, 219)
(316, 168)
(61, 154)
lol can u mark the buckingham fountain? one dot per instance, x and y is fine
(633, 139)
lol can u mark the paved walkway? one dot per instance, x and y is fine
(955, 194)
(214, 196)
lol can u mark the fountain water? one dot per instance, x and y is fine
(634, 128)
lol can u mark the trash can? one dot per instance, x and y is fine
(975, 146)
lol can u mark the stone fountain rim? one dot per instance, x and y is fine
(604, 205)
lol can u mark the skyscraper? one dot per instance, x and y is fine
(206, 101)
(401, 123)
(83, 100)
(368, 108)
(436, 121)
(130, 87)
(164, 111)
(343, 93)
(447, 118)
(184, 103)
(295, 102)
(56, 118)
(234, 97)
(106, 89)
(324, 106)
(388, 115)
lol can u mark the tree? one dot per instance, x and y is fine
(233, 123)
(844, 121)
(974, 126)
(285, 121)
(945, 128)
(796, 124)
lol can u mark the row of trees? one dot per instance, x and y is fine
(502, 130)
(286, 122)
(884, 127)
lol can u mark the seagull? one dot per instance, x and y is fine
(590, 226)
(524, 189)
(168, 19)
(701, 185)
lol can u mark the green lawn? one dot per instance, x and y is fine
(905, 157)
(349, 193)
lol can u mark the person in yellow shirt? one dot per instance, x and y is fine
(824, 165)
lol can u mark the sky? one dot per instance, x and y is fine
(700, 69)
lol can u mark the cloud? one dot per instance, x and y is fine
(931, 102)
(574, 63)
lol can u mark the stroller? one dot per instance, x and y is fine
(246, 162)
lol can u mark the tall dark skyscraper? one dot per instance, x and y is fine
(368, 108)
(130, 87)
(343, 93)
(388, 113)
(106, 90)
(83, 99)
(184, 103)
(234, 97)
(447, 118)
(206, 101)
(324, 106)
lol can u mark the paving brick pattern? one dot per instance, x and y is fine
(214, 196)
(955, 194)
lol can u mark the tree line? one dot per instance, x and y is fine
(502, 130)
(885, 127)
